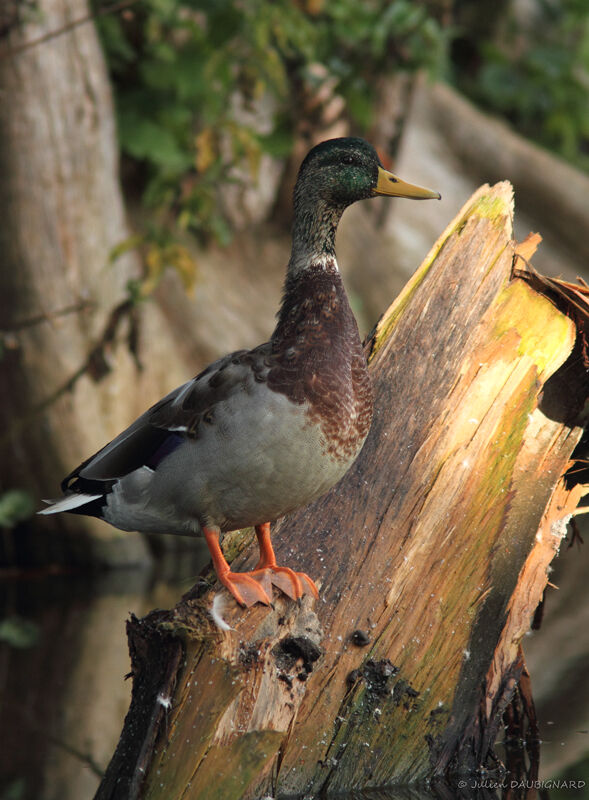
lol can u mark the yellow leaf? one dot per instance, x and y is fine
(205, 148)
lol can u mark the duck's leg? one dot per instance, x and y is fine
(294, 584)
(246, 589)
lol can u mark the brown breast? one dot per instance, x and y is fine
(317, 358)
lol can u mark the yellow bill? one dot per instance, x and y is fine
(389, 184)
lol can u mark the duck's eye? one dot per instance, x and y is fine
(348, 158)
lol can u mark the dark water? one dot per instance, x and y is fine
(63, 693)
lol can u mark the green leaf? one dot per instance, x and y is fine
(15, 505)
(15, 790)
(146, 139)
(18, 632)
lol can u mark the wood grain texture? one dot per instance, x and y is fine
(430, 554)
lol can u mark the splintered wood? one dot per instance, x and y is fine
(431, 555)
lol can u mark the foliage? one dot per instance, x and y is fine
(15, 506)
(15, 790)
(535, 72)
(18, 632)
(159, 250)
(203, 84)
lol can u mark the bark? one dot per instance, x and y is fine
(431, 556)
(71, 343)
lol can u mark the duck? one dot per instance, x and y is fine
(260, 432)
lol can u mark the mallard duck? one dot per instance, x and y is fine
(259, 432)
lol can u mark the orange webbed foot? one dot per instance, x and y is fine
(253, 587)
(308, 585)
(248, 588)
(256, 586)
(293, 584)
(286, 580)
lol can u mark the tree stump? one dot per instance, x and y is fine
(431, 556)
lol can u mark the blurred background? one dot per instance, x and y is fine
(148, 150)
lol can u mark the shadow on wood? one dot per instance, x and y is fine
(431, 556)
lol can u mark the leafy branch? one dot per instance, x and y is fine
(202, 85)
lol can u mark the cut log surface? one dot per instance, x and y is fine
(431, 556)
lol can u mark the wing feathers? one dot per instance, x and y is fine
(68, 503)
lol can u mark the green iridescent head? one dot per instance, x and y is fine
(342, 171)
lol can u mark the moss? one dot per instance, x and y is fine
(541, 328)
(235, 542)
(191, 724)
(493, 207)
(229, 767)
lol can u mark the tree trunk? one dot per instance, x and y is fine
(431, 556)
(69, 379)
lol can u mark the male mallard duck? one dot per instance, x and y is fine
(260, 432)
